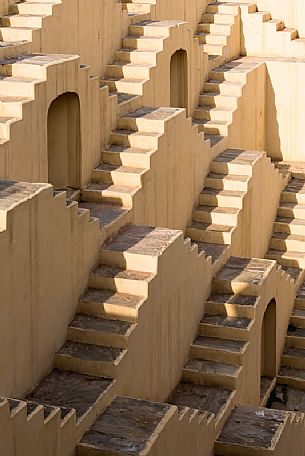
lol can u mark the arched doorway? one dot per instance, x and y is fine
(64, 141)
(178, 80)
(268, 341)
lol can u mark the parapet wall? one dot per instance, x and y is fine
(47, 250)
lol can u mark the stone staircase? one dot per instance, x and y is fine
(131, 70)
(89, 365)
(287, 244)
(217, 29)
(219, 98)
(292, 370)
(125, 165)
(24, 20)
(220, 203)
(212, 376)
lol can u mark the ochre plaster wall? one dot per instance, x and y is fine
(285, 117)
(47, 251)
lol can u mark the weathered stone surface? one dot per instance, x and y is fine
(126, 426)
(69, 390)
(201, 397)
(252, 426)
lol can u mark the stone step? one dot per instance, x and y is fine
(211, 38)
(219, 253)
(22, 20)
(118, 175)
(213, 139)
(217, 18)
(127, 102)
(217, 100)
(223, 8)
(15, 34)
(225, 73)
(208, 113)
(229, 88)
(138, 248)
(127, 156)
(125, 85)
(144, 43)
(216, 215)
(69, 391)
(284, 241)
(146, 120)
(235, 162)
(19, 86)
(294, 191)
(232, 182)
(212, 28)
(121, 280)
(89, 359)
(137, 15)
(106, 193)
(111, 217)
(205, 232)
(287, 258)
(231, 305)
(291, 376)
(151, 28)
(127, 426)
(218, 197)
(211, 399)
(110, 304)
(40, 8)
(298, 318)
(295, 336)
(12, 106)
(211, 373)
(88, 329)
(260, 16)
(128, 70)
(251, 430)
(136, 56)
(291, 210)
(143, 8)
(215, 127)
(218, 349)
(225, 327)
(293, 357)
(135, 139)
(242, 276)
(213, 49)
(289, 225)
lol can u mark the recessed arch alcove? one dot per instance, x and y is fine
(179, 80)
(64, 141)
(268, 341)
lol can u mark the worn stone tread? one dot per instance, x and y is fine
(125, 427)
(90, 352)
(200, 397)
(69, 390)
(236, 346)
(211, 367)
(99, 324)
(230, 322)
(252, 426)
(143, 240)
